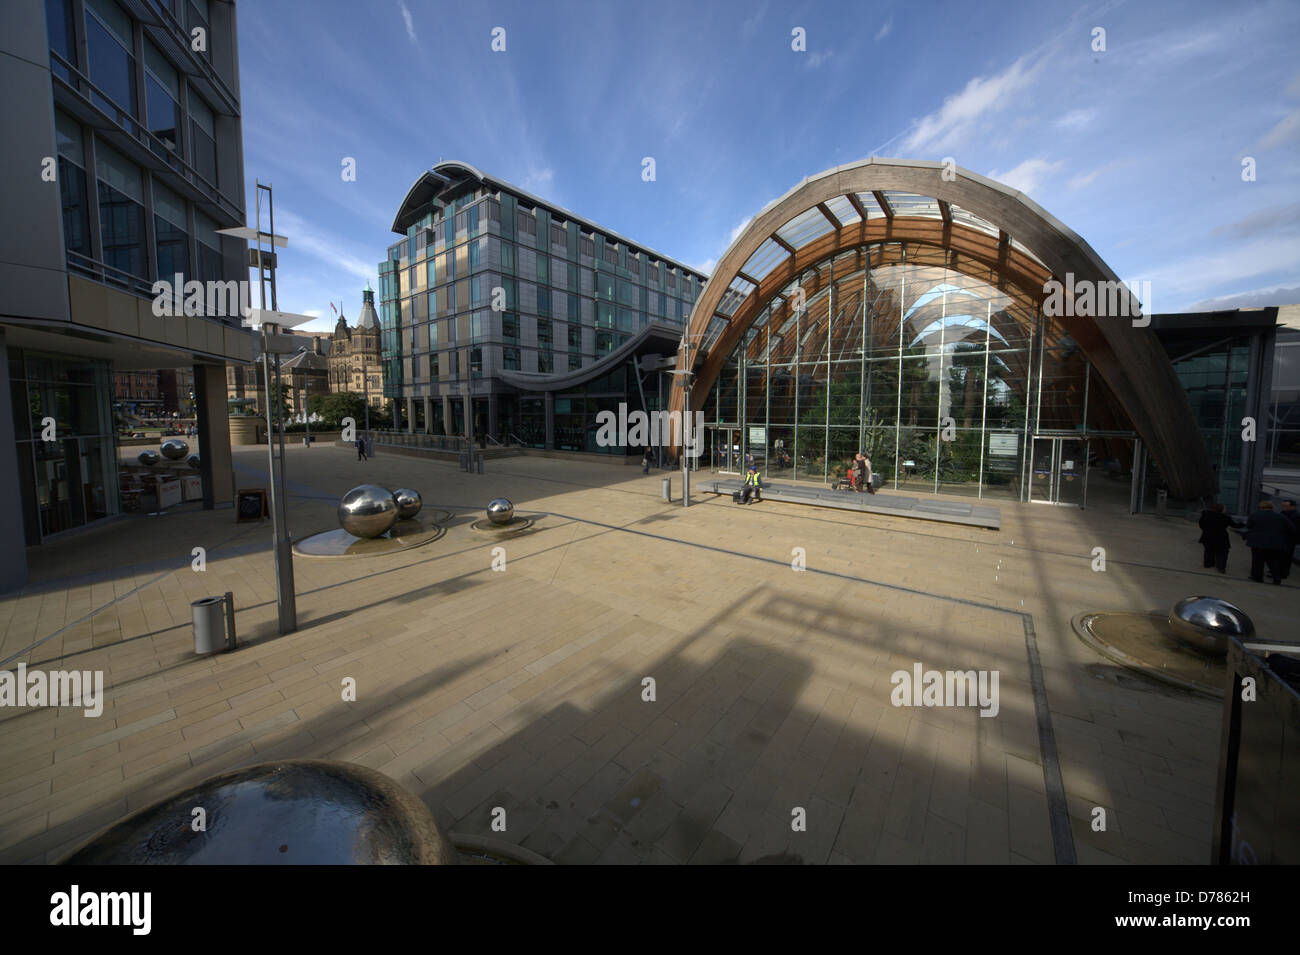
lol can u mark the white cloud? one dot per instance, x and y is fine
(1082, 180)
(817, 59)
(949, 125)
(1285, 131)
(313, 312)
(410, 23)
(1267, 220)
(1190, 279)
(536, 180)
(706, 266)
(740, 227)
(1076, 120)
(1028, 176)
(884, 29)
(1255, 298)
(307, 238)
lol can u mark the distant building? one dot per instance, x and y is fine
(354, 357)
(245, 381)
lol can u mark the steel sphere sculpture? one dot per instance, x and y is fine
(1206, 623)
(500, 511)
(409, 503)
(368, 511)
(175, 449)
(148, 457)
(193, 461)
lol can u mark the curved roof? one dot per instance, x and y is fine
(928, 203)
(449, 175)
(535, 381)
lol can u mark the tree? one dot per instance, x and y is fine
(333, 408)
(280, 400)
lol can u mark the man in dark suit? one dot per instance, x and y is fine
(1269, 537)
(1214, 537)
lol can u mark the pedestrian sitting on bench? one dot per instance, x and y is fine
(753, 485)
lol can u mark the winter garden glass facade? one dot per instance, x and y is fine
(949, 378)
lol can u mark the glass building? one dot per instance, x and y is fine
(915, 313)
(141, 132)
(493, 290)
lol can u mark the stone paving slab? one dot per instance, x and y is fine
(523, 688)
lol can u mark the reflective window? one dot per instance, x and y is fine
(111, 66)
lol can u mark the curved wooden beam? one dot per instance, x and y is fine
(1128, 358)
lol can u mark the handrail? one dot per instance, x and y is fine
(134, 128)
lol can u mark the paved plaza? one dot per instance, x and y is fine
(524, 687)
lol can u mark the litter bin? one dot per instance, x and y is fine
(668, 489)
(210, 633)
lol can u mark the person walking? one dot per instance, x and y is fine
(1269, 537)
(1214, 524)
(1293, 518)
(753, 485)
(646, 460)
(865, 477)
(361, 448)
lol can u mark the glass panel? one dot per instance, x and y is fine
(111, 65)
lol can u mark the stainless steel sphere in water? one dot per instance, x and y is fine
(294, 812)
(409, 503)
(175, 449)
(148, 457)
(1205, 623)
(367, 511)
(193, 461)
(500, 511)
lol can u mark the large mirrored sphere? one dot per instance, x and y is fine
(1206, 623)
(367, 511)
(148, 457)
(175, 449)
(193, 461)
(500, 511)
(409, 503)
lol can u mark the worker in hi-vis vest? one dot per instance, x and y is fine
(753, 485)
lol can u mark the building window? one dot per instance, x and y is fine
(72, 185)
(507, 257)
(573, 307)
(588, 247)
(510, 326)
(557, 234)
(449, 267)
(543, 301)
(672, 280)
(611, 253)
(203, 139)
(510, 359)
(63, 39)
(526, 223)
(121, 212)
(433, 367)
(543, 268)
(471, 221)
(475, 256)
(162, 100)
(545, 362)
(544, 334)
(209, 249)
(575, 338)
(475, 292)
(109, 45)
(171, 237)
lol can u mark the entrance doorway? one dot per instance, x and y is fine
(725, 452)
(1060, 469)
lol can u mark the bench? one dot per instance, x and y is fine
(893, 505)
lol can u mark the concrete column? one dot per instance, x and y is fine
(410, 415)
(428, 415)
(492, 415)
(13, 552)
(549, 399)
(467, 412)
(215, 468)
(446, 415)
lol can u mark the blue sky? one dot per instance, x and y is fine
(1139, 148)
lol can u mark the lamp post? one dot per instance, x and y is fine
(686, 377)
(270, 322)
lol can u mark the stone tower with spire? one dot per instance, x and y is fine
(355, 352)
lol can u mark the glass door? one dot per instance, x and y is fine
(1059, 468)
